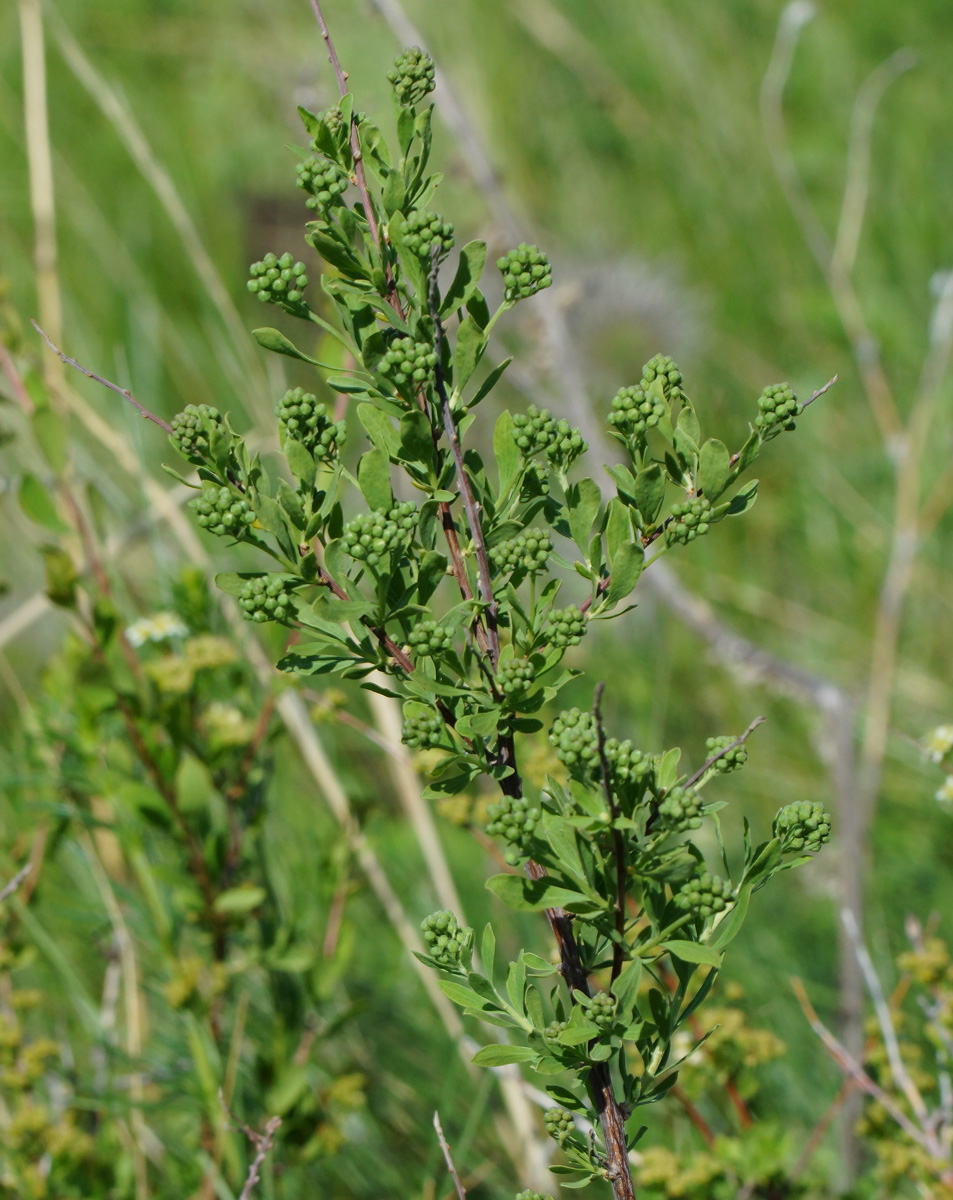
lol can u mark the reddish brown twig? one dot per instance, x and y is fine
(618, 845)
(448, 1158)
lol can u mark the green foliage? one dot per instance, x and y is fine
(608, 845)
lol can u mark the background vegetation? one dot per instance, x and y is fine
(641, 145)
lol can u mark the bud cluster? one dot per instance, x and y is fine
(515, 677)
(408, 363)
(705, 895)
(634, 411)
(661, 366)
(538, 432)
(527, 552)
(576, 741)
(422, 731)
(689, 520)
(513, 820)
(372, 537)
(566, 626)
(525, 272)
(778, 407)
(413, 76)
(221, 511)
(324, 182)
(602, 1011)
(559, 1124)
(305, 420)
(429, 638)
(681, 810)
(447, 942)
(804, 825)
(267, 598)
(190, 429)
(735, 758)
(278, 280)
(425, 232)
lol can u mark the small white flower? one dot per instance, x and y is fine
(945, 794)
(938, 743)
(156, 628)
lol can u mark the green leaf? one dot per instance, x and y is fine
(373, 477)
(271, 339)
(465, 281)
(275, 520)
(240, 900)
(618, 530)
(36, 503)
(688, 423)
(499, 1055)
(650, 492)
(471, 342)
(667, 771)
(489, 383)
(416, 437)
(743, 499)
(626, 987)
(505, 450)
(380, 429)
(488, 950)
(728, 928)
(301, 462)
(625, 573)
(583, 500)
(693, 952)
(533, 895)
(50, 433)
(714, 467)
(461, 995)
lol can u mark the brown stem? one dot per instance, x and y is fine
(448, 1158)
(618, 845)
(610, 1115)
(114, 387)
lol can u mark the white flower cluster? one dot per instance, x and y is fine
(157, 628)
(945, 793)
(938, 743)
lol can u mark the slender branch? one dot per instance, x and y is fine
(262, 1142)
(851, 1067)
(710, 762)
(341, 76)
(114, 387)
(887, 1031)
(694, 1115)
(464, 486)
(9, 888)
(461, 1191)
(618, 845)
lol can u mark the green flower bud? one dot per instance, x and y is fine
(279, 281)
(527, 551)
(733, 760)
(426, 232)
(513, 820)
(223, 511)
(413, 77)
(268, 598)
(423, 731)
(514, 678)
(689, 520)
(376, 537)
(566, 626)
(408, 365)
(303, 419)
(325, 184)
(559, 1124)
(601, 1011)
(705, 895)
(430, 639)
(804, 826)
(525, 272)
(680, 810)
(777, 408)
(191, 428)
(448, 943)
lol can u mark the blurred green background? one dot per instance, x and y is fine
(638, 143)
